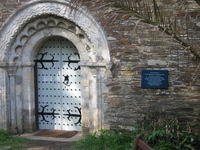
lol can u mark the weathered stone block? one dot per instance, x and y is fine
(114, 93)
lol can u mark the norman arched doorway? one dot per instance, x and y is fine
(58, 82)
(32, 25)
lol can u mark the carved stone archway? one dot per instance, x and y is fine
(32, 25)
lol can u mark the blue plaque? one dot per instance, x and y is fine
(156, 79)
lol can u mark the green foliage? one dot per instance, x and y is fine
(163, 132)
(107, 139)
(11, 142)
(159, 131)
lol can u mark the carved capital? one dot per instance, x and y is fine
(11, 68)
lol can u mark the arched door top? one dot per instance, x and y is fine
(65, 10)
(31, 26)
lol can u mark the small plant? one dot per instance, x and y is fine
(11, 142)
(107, 139)
(161, 132)
(164, 132)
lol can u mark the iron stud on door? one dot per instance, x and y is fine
(58, 78)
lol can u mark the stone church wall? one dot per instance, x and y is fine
(134, 46)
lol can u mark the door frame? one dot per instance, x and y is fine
(36, 77)
(19, 49)
(36, 95)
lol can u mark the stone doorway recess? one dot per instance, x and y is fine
(31, 26)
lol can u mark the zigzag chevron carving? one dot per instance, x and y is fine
(36, 9)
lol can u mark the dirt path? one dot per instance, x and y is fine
(48, 145)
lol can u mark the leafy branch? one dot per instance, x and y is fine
(198, 2)
(151, 14)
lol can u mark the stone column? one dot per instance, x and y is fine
(28, 94)
(102, 75)
(4, 107)
(93, 106)
(11, 68)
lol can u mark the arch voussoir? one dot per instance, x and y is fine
(31, 26)
(57, 8)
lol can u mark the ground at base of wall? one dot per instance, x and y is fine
(56, 133)
(45, 145)
(48, 145)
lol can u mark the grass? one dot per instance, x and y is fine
(11, 142)
(160, 131)
(124, 140)
(107, 139)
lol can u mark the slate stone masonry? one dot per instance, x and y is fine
(135, 46)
